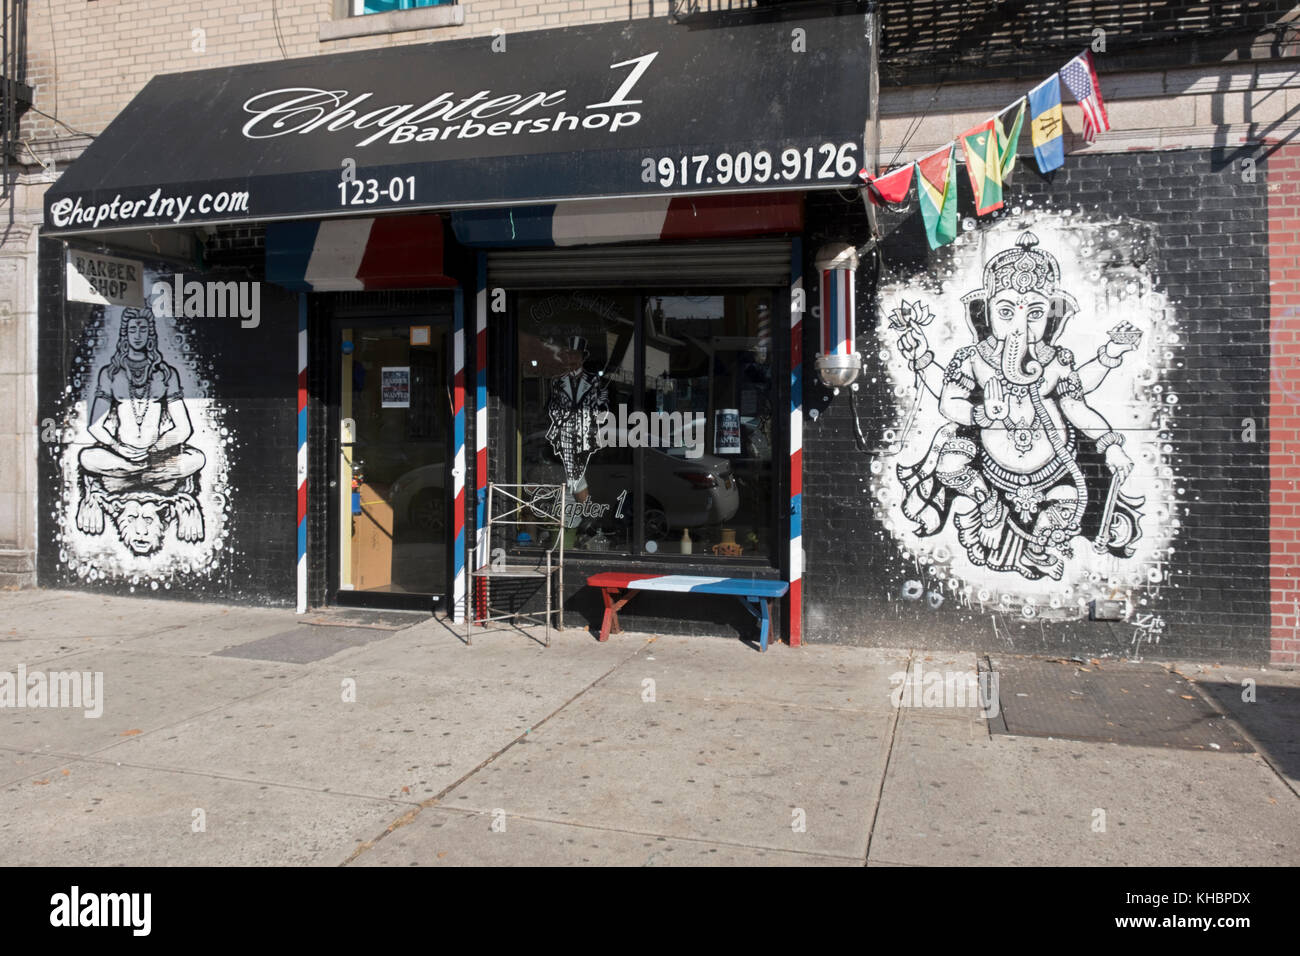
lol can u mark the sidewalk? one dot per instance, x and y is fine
(225, 739)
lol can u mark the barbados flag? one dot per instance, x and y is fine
(1048, 125)
(937, 186)
(984, 165)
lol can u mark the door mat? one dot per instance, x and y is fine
(1140, 704)
(365, 617)
(304, 644)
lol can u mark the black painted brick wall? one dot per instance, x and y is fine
(1211, 245)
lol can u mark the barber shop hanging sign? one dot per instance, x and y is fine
(104, 280)
(144, 454)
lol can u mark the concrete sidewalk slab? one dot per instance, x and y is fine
(708, 669)
(943, 685)
(710, 771)
(17, 765)
(68, 621)
(77, 614)
(953, 798)
(435, 648)
(142, 694)
(101, 814)
(224, 628)
(438, 837)
(423, 734)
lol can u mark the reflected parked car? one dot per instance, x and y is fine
(419, 499)
(680, 492)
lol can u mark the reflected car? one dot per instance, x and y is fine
(419, 499)
(680, 492)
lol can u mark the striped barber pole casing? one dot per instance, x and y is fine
(302, 455)
(837, 302)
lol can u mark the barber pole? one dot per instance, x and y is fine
(458, 467)
(302, 453)
(480, 431)
(838, 362)
(794, 559)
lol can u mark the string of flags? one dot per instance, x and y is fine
(990, 151)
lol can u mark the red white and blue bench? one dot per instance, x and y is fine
(618, 588)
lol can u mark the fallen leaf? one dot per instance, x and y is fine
(1187, 697)
(444, 852)
(66, 772)
(39, 783)
(406, 790)
(130, 733)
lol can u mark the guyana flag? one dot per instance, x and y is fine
(984, 164)
(1007, 143)
(936, 183)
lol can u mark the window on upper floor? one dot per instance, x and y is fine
(362, 7)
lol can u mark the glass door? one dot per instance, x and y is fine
(394, 494)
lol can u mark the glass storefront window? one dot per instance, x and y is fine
(656, 410)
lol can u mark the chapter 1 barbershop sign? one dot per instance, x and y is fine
(104, 280)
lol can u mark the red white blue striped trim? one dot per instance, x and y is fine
(794, 558)
(624, 220)
(458, 462)
(332, 255)
(480, 413)
(302, 454)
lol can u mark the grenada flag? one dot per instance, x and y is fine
(936, 184)
(984, 164)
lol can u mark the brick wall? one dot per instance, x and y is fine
(1284, 400)
(1209, 249)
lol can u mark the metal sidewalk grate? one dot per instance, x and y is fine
(1139, 704)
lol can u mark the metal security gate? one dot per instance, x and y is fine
(751, 262)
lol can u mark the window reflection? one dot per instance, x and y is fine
(696, 421)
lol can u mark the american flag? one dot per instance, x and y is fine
(1081, 79)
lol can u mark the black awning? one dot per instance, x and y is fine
(636, 108)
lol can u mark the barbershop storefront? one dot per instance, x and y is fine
(351, 307)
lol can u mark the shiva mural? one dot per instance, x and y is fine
(144, 460)
(1027, 469)
(140, 471)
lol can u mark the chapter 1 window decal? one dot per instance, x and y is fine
(578, 406)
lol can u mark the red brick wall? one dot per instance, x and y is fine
(1283, 172)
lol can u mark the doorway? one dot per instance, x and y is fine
(390, 415)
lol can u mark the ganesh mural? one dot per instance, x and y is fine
(143, 456)
(1029, 468)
